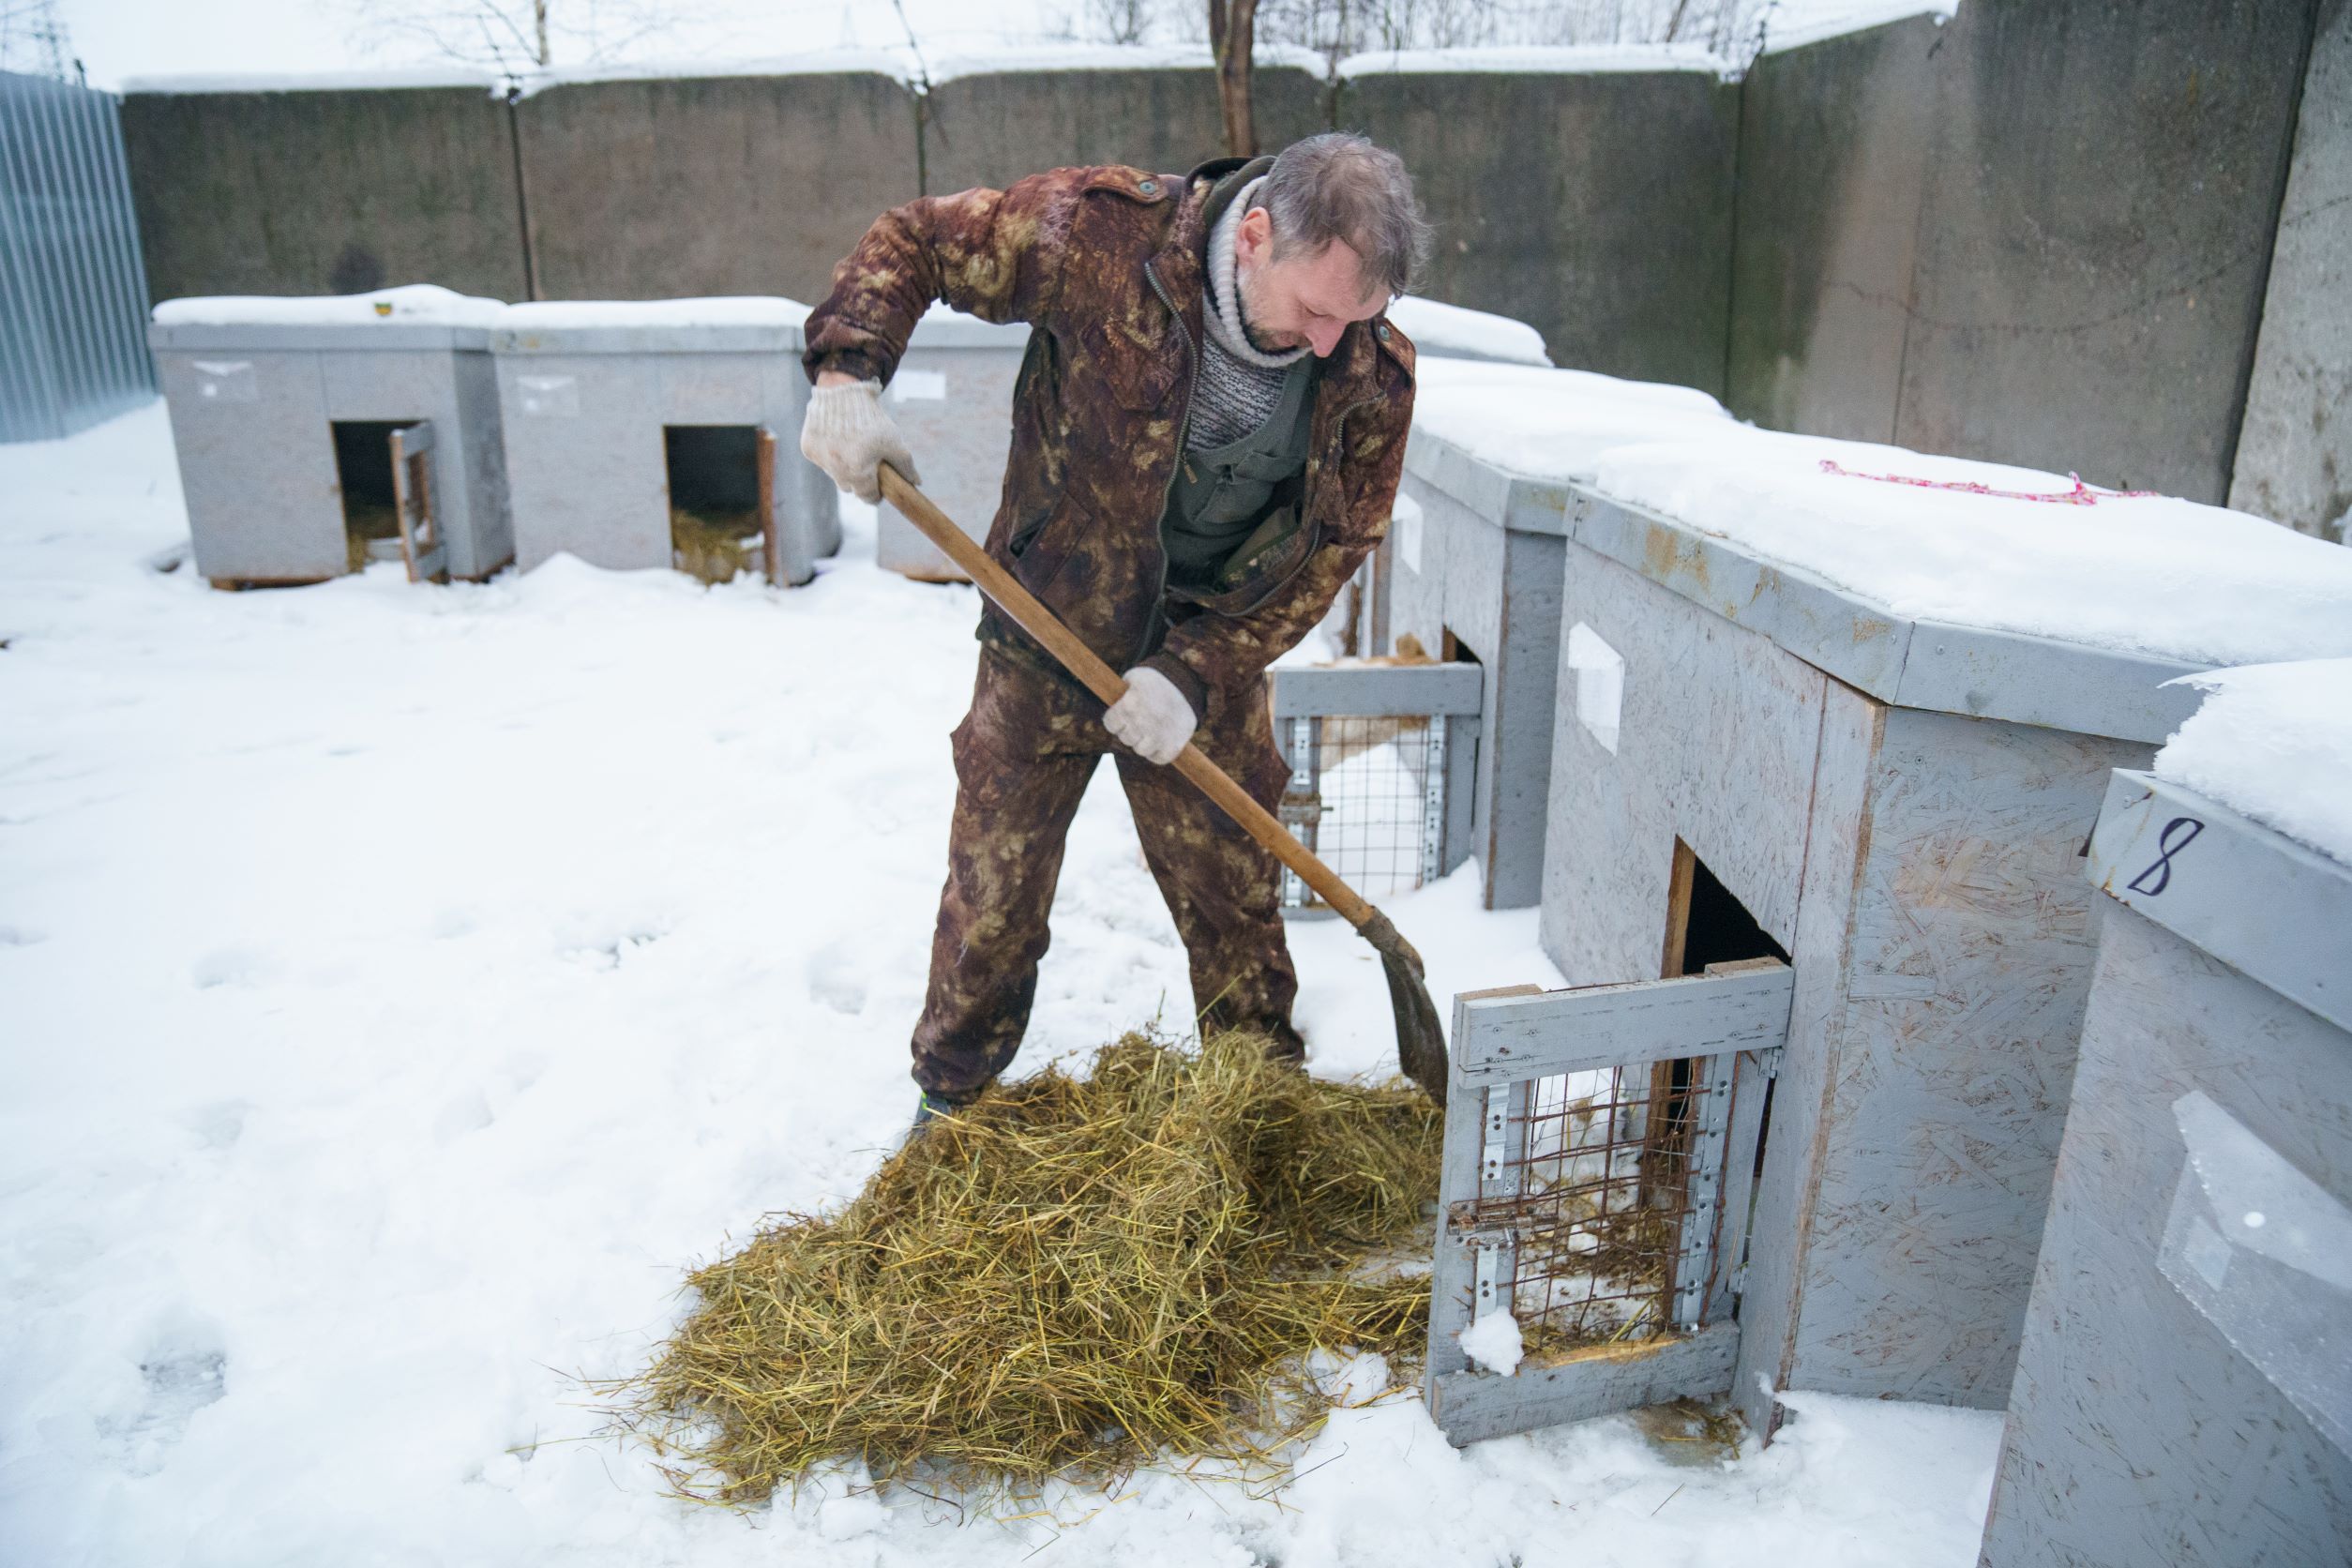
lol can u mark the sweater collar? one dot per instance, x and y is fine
(1224, 304)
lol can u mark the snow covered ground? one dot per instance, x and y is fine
(401, 987)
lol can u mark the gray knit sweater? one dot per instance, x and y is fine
(1241, 384)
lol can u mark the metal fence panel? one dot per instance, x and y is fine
(73, 292)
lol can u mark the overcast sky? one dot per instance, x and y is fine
(119, 39)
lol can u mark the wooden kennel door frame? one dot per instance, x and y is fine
(1730, 1024)
(422, 547)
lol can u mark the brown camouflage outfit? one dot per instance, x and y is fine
(1107, 266)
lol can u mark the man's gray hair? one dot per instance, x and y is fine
(1340, 186)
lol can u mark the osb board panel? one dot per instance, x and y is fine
(1715, 745)
(2173, 1446)
(1416, 592)
(1516, 753)
(588, 478)
(964, 435)
(259, 475)
(1947, 1093)
(1837, 837)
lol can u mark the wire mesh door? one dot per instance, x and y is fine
(1599, 1152)
(1382, 758)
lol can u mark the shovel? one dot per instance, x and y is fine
(1419, 1041)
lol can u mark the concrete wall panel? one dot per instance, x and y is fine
(1596, 207)
(710, 186)
(994, 129)
(2101, 202)
(2295, 452)
(324, 192)
(1833, 143)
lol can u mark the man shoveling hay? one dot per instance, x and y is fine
(1063, 1278)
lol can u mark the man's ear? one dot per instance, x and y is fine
(1256, 239)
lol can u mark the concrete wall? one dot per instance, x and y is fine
(993, 130)
(1833, 143)
(2098, 182)
(2295, 451)
(1597, 206)
(711, 185)
(2040, 232)
(325, 193)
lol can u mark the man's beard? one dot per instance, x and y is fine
(1249, 282)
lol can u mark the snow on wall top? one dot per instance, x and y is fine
(315, 82)
(2274, 743)
(1564, 59)
(1829, 18)
(1548, 424)
(1440, 329)
(412, 304)
(720, 310)
(2141, 574)
(946, 65)
(896, 63)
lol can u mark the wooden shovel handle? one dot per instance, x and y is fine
(1100, 679)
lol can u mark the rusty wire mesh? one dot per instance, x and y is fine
(1594, 1189)
(1361, 802)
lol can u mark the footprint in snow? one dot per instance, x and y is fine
(231, 966)
(184, 1370)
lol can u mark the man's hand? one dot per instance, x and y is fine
(848, 435)
(1154, 719)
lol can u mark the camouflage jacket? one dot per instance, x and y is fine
(1107, 266)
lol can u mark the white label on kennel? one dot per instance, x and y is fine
(226, 381)
(1600, 1149)
(1405, 528)
(550, 396)
(2265, 1254)
(1381, 761)
(924, 386)
(1600, 671)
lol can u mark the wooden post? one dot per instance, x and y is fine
(769, 544)
(1232, 38)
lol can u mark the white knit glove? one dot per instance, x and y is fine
(1152, 717)
(848, 435)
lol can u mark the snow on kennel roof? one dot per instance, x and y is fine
(1455, 331)
(2273, 742)
(1927, 581)
(413, 316)
(2009, 549)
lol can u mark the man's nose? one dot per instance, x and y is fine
(1324, 337)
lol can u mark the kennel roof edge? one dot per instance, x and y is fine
(1925, 661)
(721, 324)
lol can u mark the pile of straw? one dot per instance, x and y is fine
(1062, 1280)
(715, 544)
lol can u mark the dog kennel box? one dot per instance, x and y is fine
(1807, 846)
(2184, 1384)
(1382, 762)
(283, 415)
(662, 432)
(1472, 566)
(952, 398)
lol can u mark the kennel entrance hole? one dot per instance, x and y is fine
(722, 487)
(1706, 924)
(363, 473)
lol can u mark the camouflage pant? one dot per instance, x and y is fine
(1023, 756)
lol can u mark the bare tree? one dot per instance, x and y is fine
(1117, 20)
(1233, 43)
(516, 35)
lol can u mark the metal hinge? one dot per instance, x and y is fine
(1497, 1120)
(1768, 1060)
